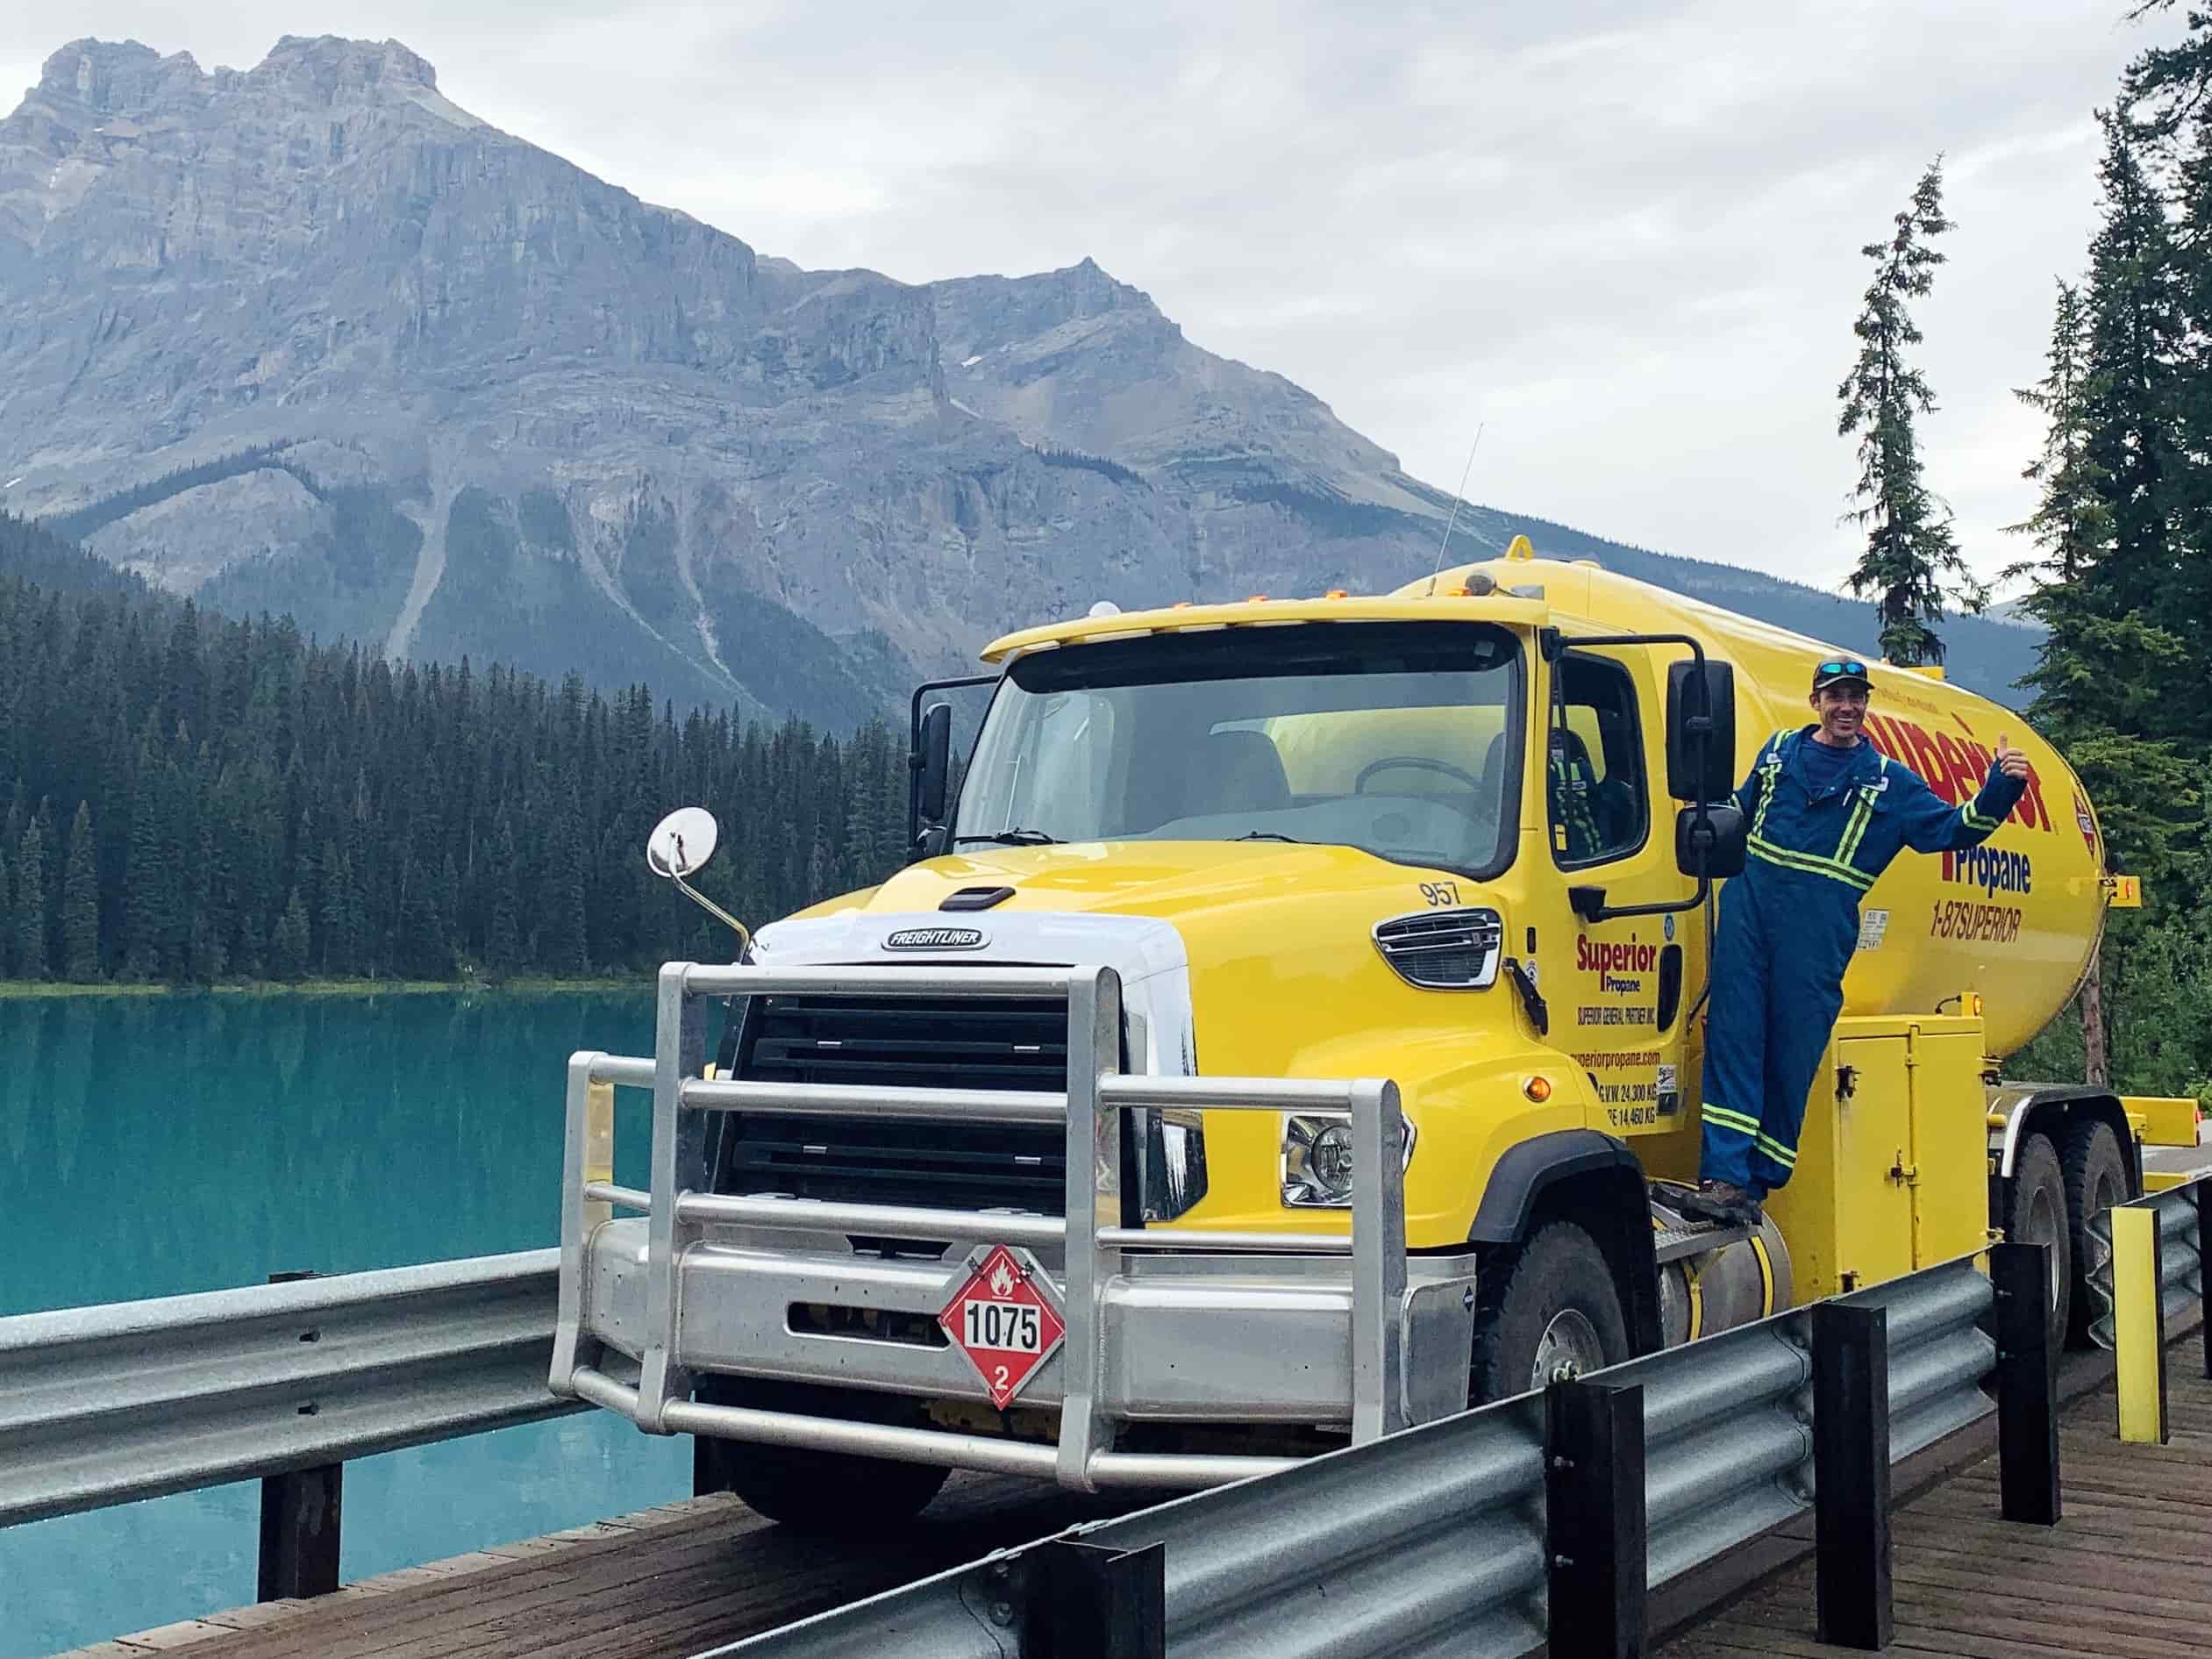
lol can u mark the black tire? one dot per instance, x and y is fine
(1525, 1293)
(2036, 1213)
(2096, 1178)
(827, 1493)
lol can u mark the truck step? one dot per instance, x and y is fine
(1696, 1238)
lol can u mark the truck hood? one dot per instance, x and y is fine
(1182, 883)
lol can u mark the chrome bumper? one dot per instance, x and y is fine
(1196, 1338)
(1162, 1326)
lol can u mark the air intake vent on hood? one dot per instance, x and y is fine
(1443, 950)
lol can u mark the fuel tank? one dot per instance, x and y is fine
(2013, 920)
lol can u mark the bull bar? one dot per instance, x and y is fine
(688, 1231)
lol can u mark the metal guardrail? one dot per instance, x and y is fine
(2147, 1269)
(1437, 1540)
(2180, 1271)
(105, 1405)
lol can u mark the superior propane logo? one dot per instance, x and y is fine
(1613, 962)
(936, 939)
(1991, 868)
(1953, 767)
(1621, 967)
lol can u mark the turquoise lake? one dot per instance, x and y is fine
(161, 1145)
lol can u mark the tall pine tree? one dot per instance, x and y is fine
(30, 903)
(81, 903)
(2092, 684)
(1911, 565)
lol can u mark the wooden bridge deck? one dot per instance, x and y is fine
(2127, 1571)
(658, 1584)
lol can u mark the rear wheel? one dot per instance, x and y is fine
(2036, 1213)
(1546, 1309)
(812, 1491)
(2096, 1178)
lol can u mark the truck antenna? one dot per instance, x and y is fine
(1456, 500)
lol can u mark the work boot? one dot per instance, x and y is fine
(1723, 1203)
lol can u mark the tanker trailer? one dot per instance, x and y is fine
(1252, 1055)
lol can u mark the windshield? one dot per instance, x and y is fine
(1400, 739)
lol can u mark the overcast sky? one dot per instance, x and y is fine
(1625, 237)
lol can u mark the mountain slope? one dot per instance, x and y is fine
(310, 336)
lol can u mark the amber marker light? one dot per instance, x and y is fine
(1334, 593)
(1537, 1089)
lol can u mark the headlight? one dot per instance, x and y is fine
(1317, 1160)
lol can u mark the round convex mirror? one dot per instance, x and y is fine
(682, 841)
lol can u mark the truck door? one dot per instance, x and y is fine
(1620, 1005)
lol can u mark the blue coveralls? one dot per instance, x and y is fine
(1788, 925)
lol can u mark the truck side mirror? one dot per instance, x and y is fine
(933, 762)
(1709, 840)
(1701, 704)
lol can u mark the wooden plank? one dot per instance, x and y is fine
(2128, 1571)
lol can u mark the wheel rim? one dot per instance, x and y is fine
(1568, 1347)
(2042, 1226)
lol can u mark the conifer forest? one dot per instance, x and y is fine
(191, 798)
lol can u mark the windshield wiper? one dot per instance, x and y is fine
(1012, 838)
(1264, 836)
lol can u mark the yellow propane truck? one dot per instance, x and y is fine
(1256, 1055)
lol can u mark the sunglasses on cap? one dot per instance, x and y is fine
(1839, 670)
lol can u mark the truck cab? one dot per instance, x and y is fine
(1287, 1031)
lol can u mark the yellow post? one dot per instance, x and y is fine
(599, 1149)
(2138, 1333)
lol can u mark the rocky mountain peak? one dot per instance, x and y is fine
(334, 70)
(116, 77)
(309, 336)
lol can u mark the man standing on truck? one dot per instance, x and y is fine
(1827, 815)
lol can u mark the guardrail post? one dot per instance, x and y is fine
(1085, 1601)
(2201, 1191)
(2027, 1383)
(301, 1512)
(1594, 1519)
(2138, 1324)
(1851, 1474)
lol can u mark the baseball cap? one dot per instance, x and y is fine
(1840, 670)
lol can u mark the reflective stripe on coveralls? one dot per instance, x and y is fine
(1788, 925)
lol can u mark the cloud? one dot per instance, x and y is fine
(1624, 236)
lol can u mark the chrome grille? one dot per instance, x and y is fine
(903, 1042)
(1443, 950)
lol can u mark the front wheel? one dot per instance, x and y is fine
(1546, 1310)
(815, 1492)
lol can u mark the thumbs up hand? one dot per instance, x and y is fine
(2011, 761)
